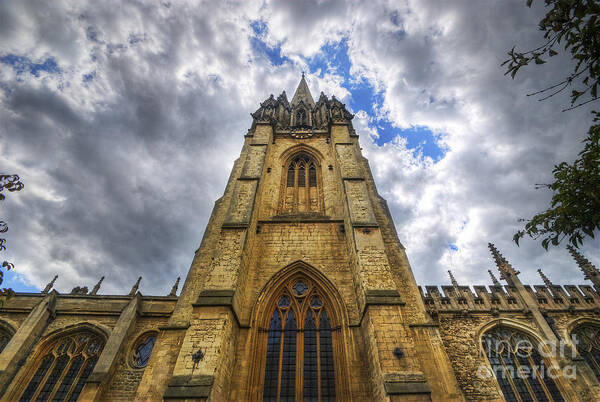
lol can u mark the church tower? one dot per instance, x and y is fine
(300, 289)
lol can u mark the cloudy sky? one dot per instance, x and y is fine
(123, 120)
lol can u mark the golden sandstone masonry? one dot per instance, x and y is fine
(301, 290)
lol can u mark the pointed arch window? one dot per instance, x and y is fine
(299, 361)
(301, 192)
(64, 368)
(520, 370)
(588, 345)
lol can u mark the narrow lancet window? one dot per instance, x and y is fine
(301, 193)
(273, 349)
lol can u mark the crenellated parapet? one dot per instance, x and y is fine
(495, 299)
(514, 297)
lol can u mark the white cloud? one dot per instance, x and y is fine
(121, 172)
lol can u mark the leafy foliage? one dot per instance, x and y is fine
(575, 207)
(574, 26)
(11, 183)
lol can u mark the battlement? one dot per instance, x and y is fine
(464, 299)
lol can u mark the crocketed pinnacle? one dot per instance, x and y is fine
(586, 266)
(454, 282)
(506, 270)
(50, 285)
(97, 287)
(174, 288)
(547, 282)
(135, 287)
(495, 280)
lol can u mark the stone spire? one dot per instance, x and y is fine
(50, 285)
(97, 287)
(547, 282)
(135, 287)
(174, 288)
(495, 280)
(507, 272)
(589, 270)
(303, 94)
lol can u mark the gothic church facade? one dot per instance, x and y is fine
(301, 290)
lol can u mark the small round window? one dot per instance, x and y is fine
(143, 350)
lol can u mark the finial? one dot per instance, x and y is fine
(547, 282)
(135, 287)
(495, 281)
(174, 288)
(50, 285)
(97, 287)
(302, 73)
(586, 266)
(503, 265)
(454, 283)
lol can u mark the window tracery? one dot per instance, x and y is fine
(64, 368)
(301, 193)
(587, 339)
(299, 353)
(301, 118)
(518, 367)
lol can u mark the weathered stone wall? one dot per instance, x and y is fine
(126, 378)
(460, 335)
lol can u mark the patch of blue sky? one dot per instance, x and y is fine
(89, 77)
(22, 64)
(13, 280)
(334, 59)
(272, 53)
(453, 247)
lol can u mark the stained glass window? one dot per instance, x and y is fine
(299, 324)
(516, 363)
(311, 370)
(143, 350)
(301, 193)
(64, 367)
(587, 340)
(273, 349)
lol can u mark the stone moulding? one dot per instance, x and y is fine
(399, 388)
(218, 298)
(175, 327)
(406, 383)
(374, 297)
(365, 225)
(214, 297)
(234, 225)
(189, 387)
